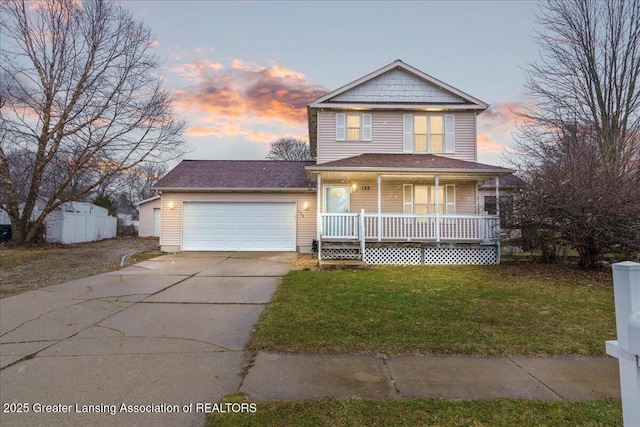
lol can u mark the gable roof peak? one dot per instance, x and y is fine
(381, 87)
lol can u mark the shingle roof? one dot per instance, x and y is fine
(508, 181)
(250, 174)
(429, 162)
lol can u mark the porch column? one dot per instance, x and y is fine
(497, 196)
(379, 208)
(498, 249)
(318, 213)
(436, 180)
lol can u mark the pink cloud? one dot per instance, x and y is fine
(197, 69)
(488, 145)
(203, 131)
(246, 90)
(503, 113)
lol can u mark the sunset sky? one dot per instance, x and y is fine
(243, 71)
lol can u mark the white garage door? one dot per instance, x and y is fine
(239, 227)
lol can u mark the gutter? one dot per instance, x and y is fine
(234, 189)
(410, 170)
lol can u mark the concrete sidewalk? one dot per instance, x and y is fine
(164, 334)
(278, 376)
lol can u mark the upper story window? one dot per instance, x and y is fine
(353, 127)
(428, 133)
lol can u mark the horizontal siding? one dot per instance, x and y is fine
(391, 196)
(306, 219)
(387, 137)
(466, 198)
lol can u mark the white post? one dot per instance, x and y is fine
(362, 234)
(379, 208)
(318, 213)
(437, 209)
(626, 287)
(498, 215)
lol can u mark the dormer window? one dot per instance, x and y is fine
(353, 127)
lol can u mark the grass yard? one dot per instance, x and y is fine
(518, 309)
(411, 412)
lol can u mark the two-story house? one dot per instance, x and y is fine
(395, 181)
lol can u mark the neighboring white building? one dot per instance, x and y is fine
(74, 222)
(149, 218)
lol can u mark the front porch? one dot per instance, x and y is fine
(378, 238)
(406, 209)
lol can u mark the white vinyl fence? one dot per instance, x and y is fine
(69, 227)
(75, 223)
(626, 287)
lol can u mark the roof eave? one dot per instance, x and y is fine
(150, 199)
(412, 107)
(489, 172)
(234, 189)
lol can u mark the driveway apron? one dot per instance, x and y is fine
(142, 346)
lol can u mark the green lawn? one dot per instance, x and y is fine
(520, 309)
(413, 412)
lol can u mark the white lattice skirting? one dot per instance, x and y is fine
(402, 255)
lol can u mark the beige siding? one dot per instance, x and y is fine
(391, 196)
(145, 217)
(466, 198)
(387, 137)
(171, 237)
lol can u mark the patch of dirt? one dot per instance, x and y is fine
(306, 262)
(33, 267)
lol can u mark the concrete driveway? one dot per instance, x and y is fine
(159, 338)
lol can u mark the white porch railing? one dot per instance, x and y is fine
(401, 227)
(340, 226)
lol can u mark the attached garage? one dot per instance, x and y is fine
(239, 226)
(238, 205)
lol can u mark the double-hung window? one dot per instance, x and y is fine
(428, 133)
(422, 200)
(353, 127)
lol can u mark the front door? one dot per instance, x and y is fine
(336, 198)
(336, 203)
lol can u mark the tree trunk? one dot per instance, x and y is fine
(25, 232)
(19, 229)
(588, 257)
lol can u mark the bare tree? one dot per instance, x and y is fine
(579, 149)
(135, 184)
(289, 149)
(82, 103)
(570, 198)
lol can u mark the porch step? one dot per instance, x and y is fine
(341, 245)
(342, 264)
(341, 251)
